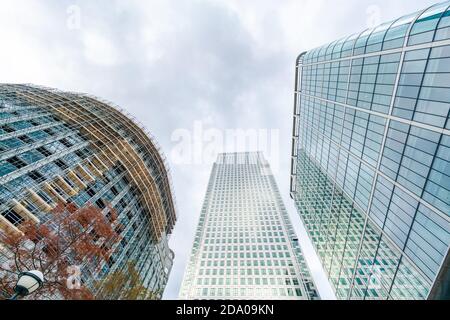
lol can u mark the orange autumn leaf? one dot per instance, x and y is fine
(74, 236)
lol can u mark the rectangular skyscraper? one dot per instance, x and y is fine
(245, 246)
(370, 169)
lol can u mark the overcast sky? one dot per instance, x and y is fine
(189, 71)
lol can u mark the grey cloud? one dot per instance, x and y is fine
(173, 62)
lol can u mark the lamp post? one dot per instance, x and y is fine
(28, 282)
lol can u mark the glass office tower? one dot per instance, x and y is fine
(371, 152)
(245, 246)
(64, 147)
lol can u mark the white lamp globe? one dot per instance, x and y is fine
(29, 282)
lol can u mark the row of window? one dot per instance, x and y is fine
(337, 235)
(432, 25)
(227, 292)
(424, 89)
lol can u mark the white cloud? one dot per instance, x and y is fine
(99, 50)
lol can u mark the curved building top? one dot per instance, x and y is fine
(431, 24)
(114, 139)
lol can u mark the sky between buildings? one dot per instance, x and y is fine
(198, 74)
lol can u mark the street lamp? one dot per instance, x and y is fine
(28, 283)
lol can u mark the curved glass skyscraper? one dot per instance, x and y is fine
(371, 157)
(64, 147)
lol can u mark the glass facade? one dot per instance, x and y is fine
(65, 147)
(245, 247)
(371, 152)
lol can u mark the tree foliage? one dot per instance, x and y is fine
(72, 236)
(130, 284)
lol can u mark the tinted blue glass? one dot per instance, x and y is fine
(424, 28)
